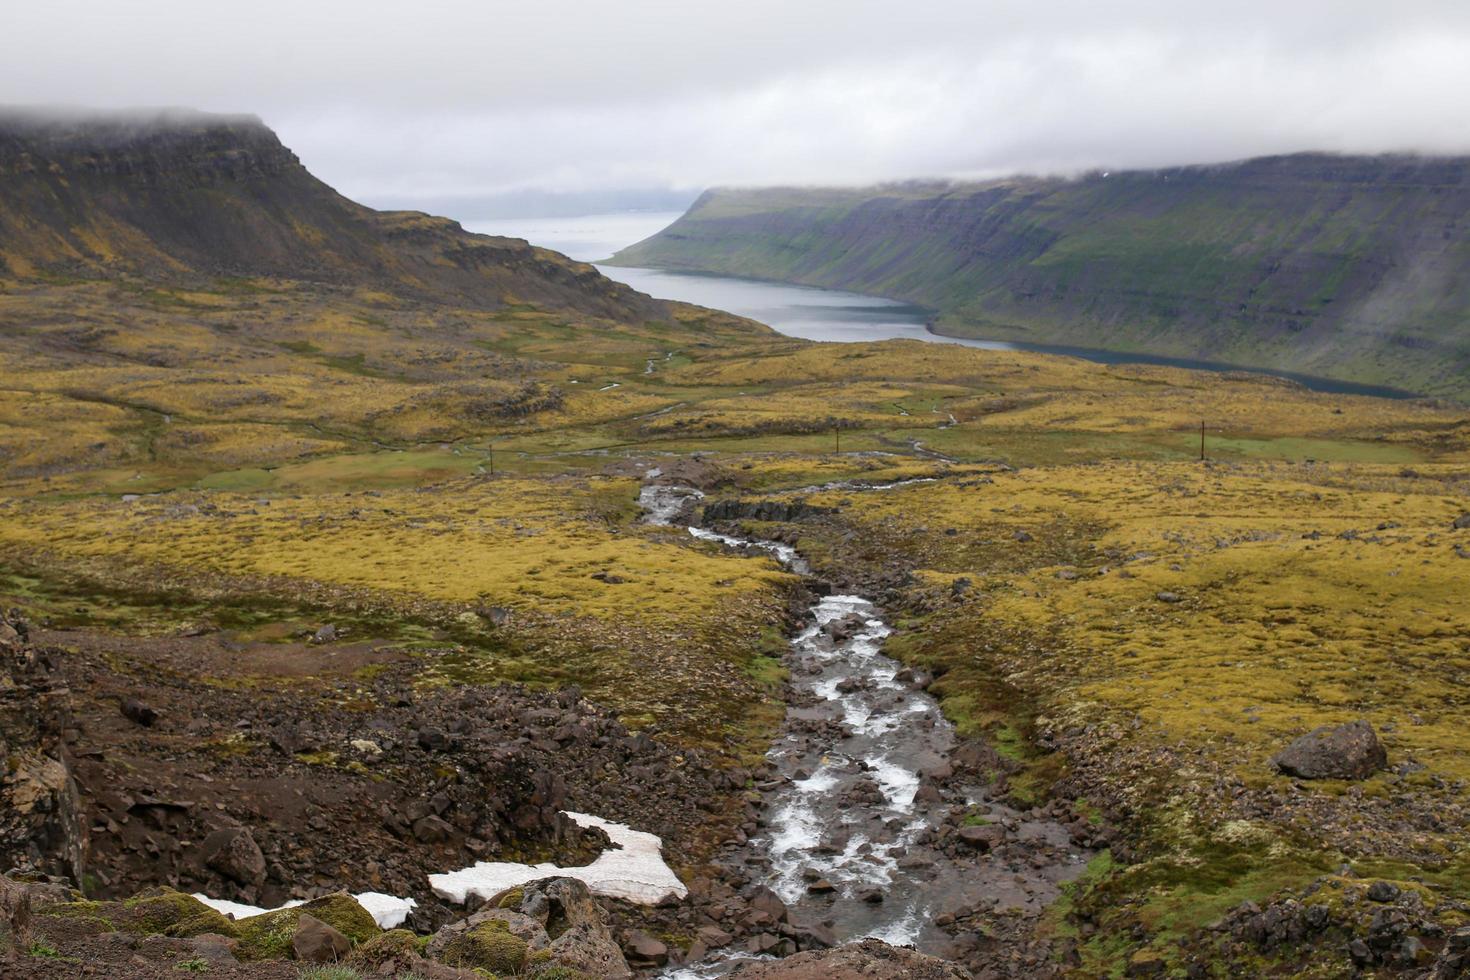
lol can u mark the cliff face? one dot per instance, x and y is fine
(1352, 267)
(174, 195)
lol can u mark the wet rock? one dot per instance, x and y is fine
(234, 853)
(762, 899)
(870, 959)
(316, 942)
(1350, 751)
(138, 713)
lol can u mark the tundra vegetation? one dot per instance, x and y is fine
(1119, 619)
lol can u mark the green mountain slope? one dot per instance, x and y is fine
(1349, 267)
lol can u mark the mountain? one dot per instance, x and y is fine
(177, 195)
(1348, 267)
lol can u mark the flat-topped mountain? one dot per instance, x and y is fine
(173, 194)
(1349, 267)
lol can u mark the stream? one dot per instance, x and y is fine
(852, 817)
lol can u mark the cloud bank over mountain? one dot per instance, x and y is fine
(456, 99)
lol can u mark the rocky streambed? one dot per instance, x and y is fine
(865, 829)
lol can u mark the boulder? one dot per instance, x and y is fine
(576, 926)
(870, 959)
(138, 713)
(316, 942)
(1461, 523)
(233, 853)
(645, 951)
(982, 837)
(1350, 751)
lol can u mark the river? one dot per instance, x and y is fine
(863, 828)
(810, 312)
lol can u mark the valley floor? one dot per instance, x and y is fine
(428, 541)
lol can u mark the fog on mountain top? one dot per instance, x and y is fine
(456, 99)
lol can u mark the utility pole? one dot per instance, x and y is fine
(837, 431)
(1202, 440)
(491, 448)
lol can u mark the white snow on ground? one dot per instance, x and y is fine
(236, 910)
(388, 912)
(633, 869)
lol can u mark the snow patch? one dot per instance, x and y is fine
(387, 911)
(633, 869)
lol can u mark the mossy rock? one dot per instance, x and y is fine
(510, 898)
(384, 948)
(165, 912)
(268, 936)
(489, 946)
(560, 973)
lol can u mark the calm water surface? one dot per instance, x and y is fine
(809, 312)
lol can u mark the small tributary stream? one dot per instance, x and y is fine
(853, 814)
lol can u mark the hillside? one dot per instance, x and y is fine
(1348, 267)
(181, 196)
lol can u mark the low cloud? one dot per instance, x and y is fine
(456, 99)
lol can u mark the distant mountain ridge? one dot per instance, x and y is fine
(1341, 266)
(174, 194)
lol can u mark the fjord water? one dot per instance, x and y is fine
(811, 312)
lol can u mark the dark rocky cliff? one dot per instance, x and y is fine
(1350, 267)
(173, 195)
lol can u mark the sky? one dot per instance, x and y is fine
(398, 104)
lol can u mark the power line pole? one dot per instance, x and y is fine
(1202, 440)
(837, 431)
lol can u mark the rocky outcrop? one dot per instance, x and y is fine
(553, 921)
(41, 831)
(1350, 751)
(870, 959)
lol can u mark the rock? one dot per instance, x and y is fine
(138, 713)
(1350, 751)
(41, 830)
(869, 959)
(577, 926)
(327, 634)
(367, 748)
(1145, 963)
(432, 740)
(532, 915)
(432, 829)
(316, 942)
(1461, 523)
(982, 837)
(1453, 962)
(644, 951)
(1383, 891)
(767, 901)
(1169, 597)
(821, 887)
(233, 853)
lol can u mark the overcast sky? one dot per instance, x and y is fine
(433, 99)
